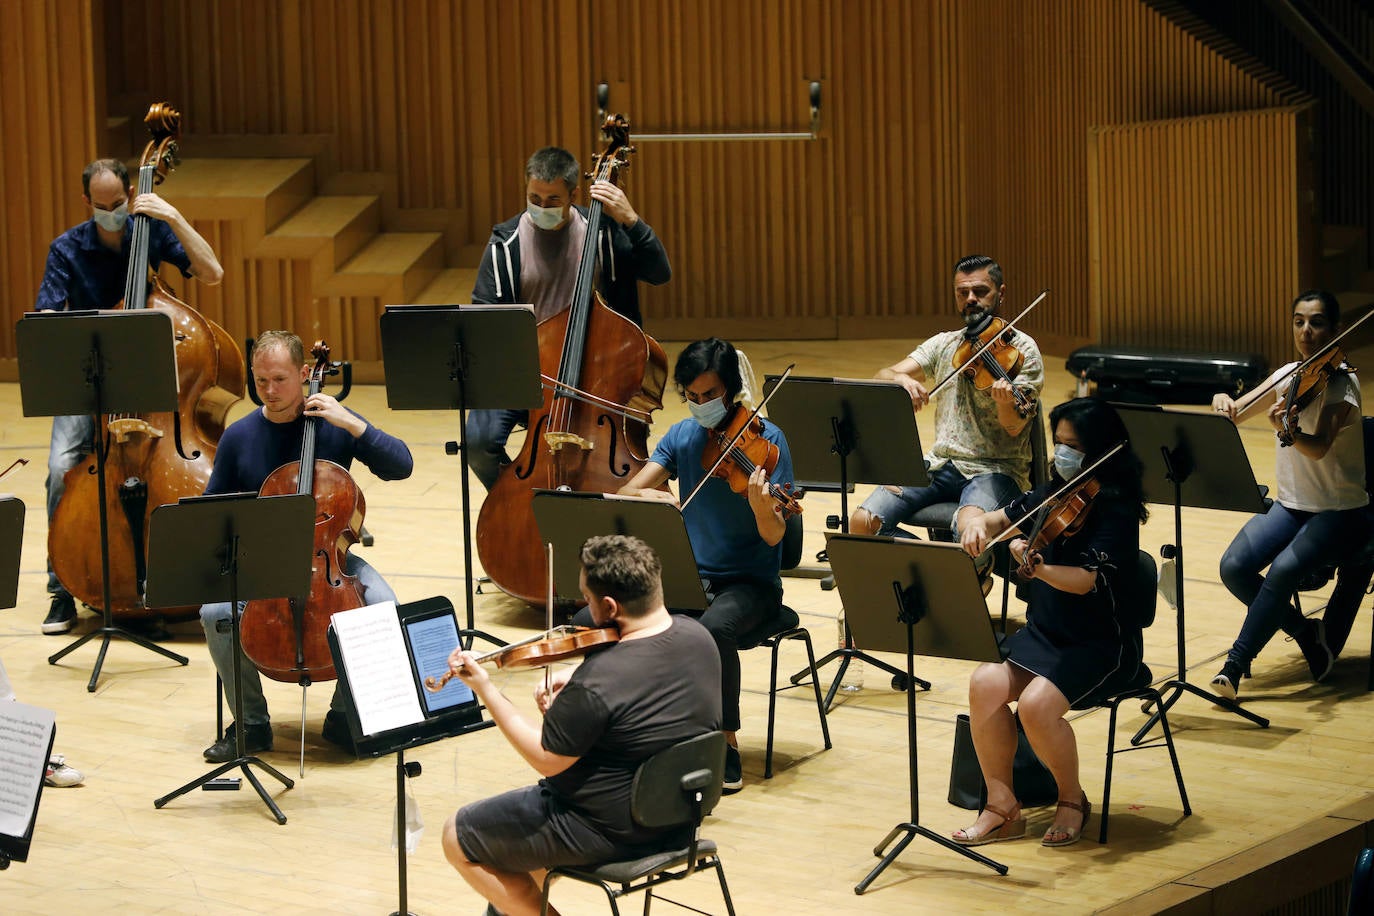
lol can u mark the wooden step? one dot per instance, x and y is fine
(452, 287)
(327, 231)
(394, 266)
(260, 192)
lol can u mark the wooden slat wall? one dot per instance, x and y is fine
(948, 126)
(1158, 188)
(52, 115)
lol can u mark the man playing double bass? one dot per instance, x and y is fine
(249, 451)
(86, 269)
(533, 258)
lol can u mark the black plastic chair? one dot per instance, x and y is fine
(1362, 884)
(1144, 589)
(786, 626)
(676, 787)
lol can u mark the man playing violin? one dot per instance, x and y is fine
(1080, 638)
(651, 689)
(981, 457)
(533, 258)
(1319, 515)
(249, 451)
(86, 269)
(737, 539)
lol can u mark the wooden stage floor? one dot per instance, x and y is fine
(796, 844)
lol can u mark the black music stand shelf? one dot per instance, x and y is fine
(865, 430)
(449, 357)
(428, 633)
(98, 363)
(1191, 459)
(236, 548)
(917, 598)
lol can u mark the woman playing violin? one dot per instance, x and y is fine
(650, 690)
(1318, 515)
(737, 539)
(1078, 642)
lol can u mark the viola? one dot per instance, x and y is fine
(1305, 387)
(987, 355)
(556, 645)
(286, 638)
(1062, 517)
(157, 458)
(740, 438)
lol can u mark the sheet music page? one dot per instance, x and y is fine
(25, 735)
(374, 652)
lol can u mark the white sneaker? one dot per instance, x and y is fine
(61, 775)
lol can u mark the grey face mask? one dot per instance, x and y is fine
(111, 220)
(1067, 461)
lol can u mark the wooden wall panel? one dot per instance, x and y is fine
(52, 118)
(1158, 189)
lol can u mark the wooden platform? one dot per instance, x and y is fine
(1296, 794)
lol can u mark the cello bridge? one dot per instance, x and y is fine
(556, 441)
(125, 427)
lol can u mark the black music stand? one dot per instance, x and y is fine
(1191, 459)
(447, 357)
(432, 620)
(236, 547)
(99, 363)
(11, 542)
(918, 598)
(825, 420)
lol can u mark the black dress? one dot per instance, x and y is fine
(1080, 642)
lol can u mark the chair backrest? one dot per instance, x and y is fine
(667, 785)
(1139, 591)
(792, 543)
(1040, 458)
(1367, 427)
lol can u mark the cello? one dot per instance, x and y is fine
(286, 637)
(603, 377)
(159, 457)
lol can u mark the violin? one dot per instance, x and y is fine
(1306, 386)
(987, 355)
(739, 438)
(1062, 517)
(557, 645)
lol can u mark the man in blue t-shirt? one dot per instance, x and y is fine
(249, 451)
(737, 539)
(86, 269)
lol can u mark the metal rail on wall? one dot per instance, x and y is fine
(603, 100)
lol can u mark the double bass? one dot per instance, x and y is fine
(155, 458)
(603, 377)
(285, 638)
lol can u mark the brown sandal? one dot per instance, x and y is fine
(1013, 827)
(1070, 836)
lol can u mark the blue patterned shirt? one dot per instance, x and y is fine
(83, 274)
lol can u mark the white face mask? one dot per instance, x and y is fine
(111, 220)
(545, 217)
(1067, 461)
(709, 414)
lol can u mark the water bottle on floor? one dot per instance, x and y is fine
(853, 680)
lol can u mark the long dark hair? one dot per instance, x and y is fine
(1099, 427)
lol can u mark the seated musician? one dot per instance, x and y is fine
(981, 457)
(1319, 514)
(1079, 640)
(737, 541)
(86, 269)
(533, 258)
(250, 450)
(627, 701)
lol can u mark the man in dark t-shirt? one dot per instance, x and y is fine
(654, 688)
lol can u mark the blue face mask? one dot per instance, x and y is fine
(546, 218)
(111, 220)
(1067, 461)
(709, 414)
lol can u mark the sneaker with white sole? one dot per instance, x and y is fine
(61, 775)
(1312, 641)
(733, 779)
(1227, 682)
(61, 615)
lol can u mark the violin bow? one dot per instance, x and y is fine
(725, 452)
(984, 348)
(1077, 479)
(1321, 351)
(18, 462)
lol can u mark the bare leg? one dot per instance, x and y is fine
(511, 893)
(990, 689)
(861, 521)
(1042, 710)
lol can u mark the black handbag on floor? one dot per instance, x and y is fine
(1031, 779)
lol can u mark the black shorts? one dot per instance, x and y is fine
(527, 829)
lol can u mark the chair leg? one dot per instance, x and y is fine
(772, 709)
(816, 688)
(1173, 757)
(1107, 782)
(724, 888)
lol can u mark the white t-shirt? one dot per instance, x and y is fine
(1337, 480)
